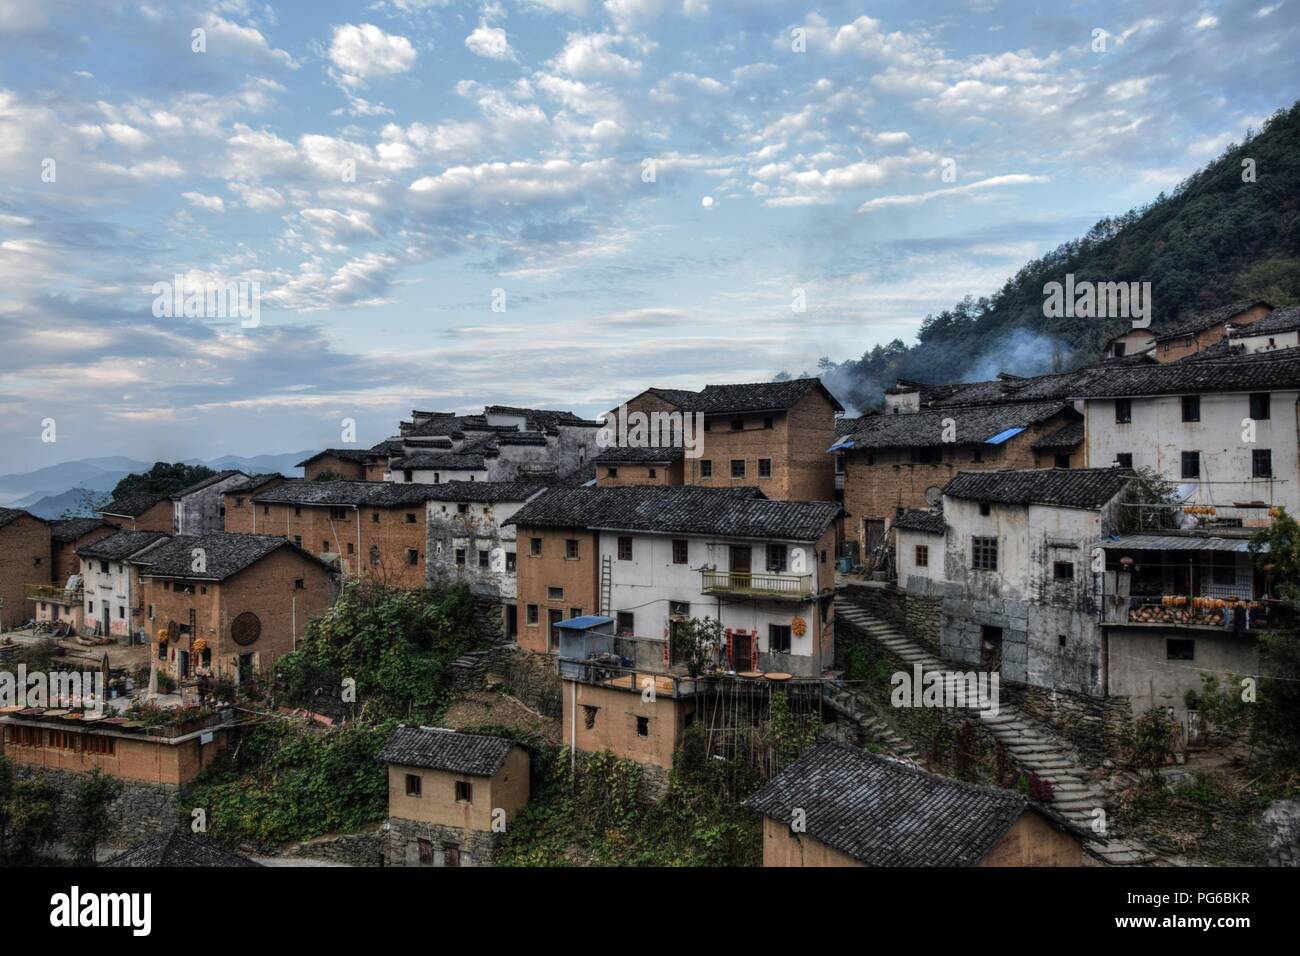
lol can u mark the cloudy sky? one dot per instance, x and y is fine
(646, 185)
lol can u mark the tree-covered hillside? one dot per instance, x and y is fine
(1219, 237)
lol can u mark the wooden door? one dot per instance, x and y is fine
(741, 558)
(554, 616)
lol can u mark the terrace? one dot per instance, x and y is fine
(780, 587)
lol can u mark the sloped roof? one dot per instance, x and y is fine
(115, 547)
(1260, 371)
(485, 491)
(70, 529)
(225, 554)
(179, 848)
(134, 504)
(1208, 318)
(618, 455)
(446, 461)
(1066, 437)
(1088, 488)
(375, 494)
(724, 512)
(10, 515)
(205, 483)
(440, 749)
(931, 522)
(885, 813)
(1279, 320)
(254, 482)
(972, 425)
(757, 396)
(358, 455)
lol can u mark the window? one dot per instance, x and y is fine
(765, 468)
(1124, 459)
(338, 514)
(352, 548)
(926, 456)
(575, 612)
(555, 594)
(776, 558)
(412, 556)
(510, 562)
(589, 716)
(1223, 569)
(1123, 411)
(611, 472)
(1261, 463)
(626, 624)
(737, 468)
(986, 509)
(1191, 464)
(653, 473)
(535, 546)
(778, 638)
(239, 502)
(625, 549)
(1060, 640)
(680, 551)
(374, 554)
(1180, 649)
(297, 539)
(451, 852)
(1062, 461)
(706, 468)
(1259, 406)
(643, 726)
(679, 609)
(922, 555)
(1118, 349)
(374, 517)
(121, 612)
(483, 560)
(530, 614)
(410, 518)
(103, 567)
(984, 554)
(978, 454)
(737, 424)
(266, 509)
(325, 546)
(94, 744)
(1191, 408)
(464, 791)
(412, 784)
(769, 423)
(407, 475)
(1063, 570)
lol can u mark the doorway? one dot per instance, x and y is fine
(990, 648)
(553, 617)
(875, 536)
(742, 652)
(741, 558)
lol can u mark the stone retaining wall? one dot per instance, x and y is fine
(364, 848)
(142, 812)
(401, 843)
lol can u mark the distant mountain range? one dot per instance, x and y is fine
(56, 490)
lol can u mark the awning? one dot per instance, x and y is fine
(847, 443)
(1000, 437)
(1176, 542)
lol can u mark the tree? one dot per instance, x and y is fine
(94, 795)
(327, 475)
(696, 641)
(1276, 712)
(163, 478)
(28, 823)
(1148, 504)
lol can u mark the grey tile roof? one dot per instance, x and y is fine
(205, 483)
(724, 512)
(370, 494)
(225, 553)
(1066, 487)
(484, 491)
(1279, 320)
(1065, 438)
(616, 455)
(253, 483)
(179, 848)
(756, 397)
(10, 515)
(439, 749)
(1208, 318)
(116, 547)
(134, 504)
(973, 425)
(885, 813)
(70, 529)
(930, 522)
(1261, 371)
(357, 455)
(434, 461)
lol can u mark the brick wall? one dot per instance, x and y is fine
(353, 534)
(349, 470)
(142, 758)
(64, 553)
(657, 474)
(538, 574)
(1174, 349)
(25, 549)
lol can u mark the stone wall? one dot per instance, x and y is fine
(530, 677)
(142, 812)
(1095, 726)
(401, 844)
(916, 610)
(364, 848)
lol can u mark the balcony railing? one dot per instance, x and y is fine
(1222, 613)
(630, 679)
(765, 584)
(53, 594)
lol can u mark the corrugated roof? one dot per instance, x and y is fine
(1204, 541)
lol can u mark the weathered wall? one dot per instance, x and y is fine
(1141, 671)
(781, 847)
(402, 844)
(614, 723)
(142, 812)
(537, 574)
(24, 559)
(1034, 841)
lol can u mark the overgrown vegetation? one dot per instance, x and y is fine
(1148, 503)
(92, 822)
(163, 478)
(28, 821)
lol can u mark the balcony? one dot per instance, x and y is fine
(53, 594)
(780, 587)
(1230, 613)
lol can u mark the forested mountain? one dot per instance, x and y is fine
(1217, 238)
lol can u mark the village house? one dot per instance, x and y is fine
(113, 596)
(901, 461)
(1202, 329)
(69, 534)
(616, 466)
(24, 560)
(1223, 430)
(769, 435)
(1014, 567)
(173, 757)
(229, 604)
(349, 464)
(1128, 343)
(59, 601)
(370, 528)
(842, 806)
(141, 511)
(451, 796)
(651, 557)
(237, 501)
(469, 541)
(200, 508)
(1280, 329)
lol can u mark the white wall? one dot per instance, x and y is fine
(478, 529)
(1268, 343)
(905, 556)
(109, 593)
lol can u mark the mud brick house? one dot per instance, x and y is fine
(69, 534)
(469, 541)
(173, 756)
(25, 548)
(1280, 329)
(141, 511)
(373, 528)
(350, 464)
(898, 462)
(113, 595)
(650, 557)
(1190, 421)
(770, 435)
(237, 501)
(229, 603)
(1203, 329)
(450, 796)
(60, 601)
(1128, 343)
(842, 806)
(639, 466)
(200, 507)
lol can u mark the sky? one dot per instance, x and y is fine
(551, 203)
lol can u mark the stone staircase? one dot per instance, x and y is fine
(1035, 748)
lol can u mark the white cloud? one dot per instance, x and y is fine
(489, 42)
(913, 199)
(364, 52)
(224, 36)
(200, 201)
(590, 55)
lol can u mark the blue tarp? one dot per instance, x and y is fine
(1000, 437)
(585, 622)
(848, 443)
